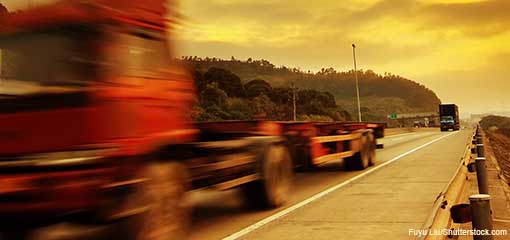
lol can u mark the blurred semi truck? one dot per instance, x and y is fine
(449, 117)
(95, 130)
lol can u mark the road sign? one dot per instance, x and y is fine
(392, 116)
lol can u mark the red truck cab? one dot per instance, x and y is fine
(88, 91)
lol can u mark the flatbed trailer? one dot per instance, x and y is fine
(310, 144)
(315, 143)
(247, 154)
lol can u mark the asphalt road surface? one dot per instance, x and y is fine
(381, 202)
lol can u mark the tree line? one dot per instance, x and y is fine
(223, 96)
(381, 94)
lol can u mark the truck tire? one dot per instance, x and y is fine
(167, 215)
(272, 190)
(361, 159)
(308, 165)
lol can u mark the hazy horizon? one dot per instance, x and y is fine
(457, 48)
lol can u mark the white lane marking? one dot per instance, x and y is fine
(305, 202)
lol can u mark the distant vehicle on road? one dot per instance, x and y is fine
(449, 115)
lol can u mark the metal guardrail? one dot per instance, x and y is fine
(480, 208)
(478, 211)
(441, 201)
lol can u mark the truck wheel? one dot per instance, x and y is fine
(272, 190)
(308, 165)
(167, 215)
(361, 159)
(372, 147)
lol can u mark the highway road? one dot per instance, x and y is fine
(381, 202)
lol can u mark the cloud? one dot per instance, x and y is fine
(473, 19)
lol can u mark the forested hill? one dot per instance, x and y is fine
(380, 94)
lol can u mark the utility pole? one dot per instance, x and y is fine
(294, 101)
(357, 83)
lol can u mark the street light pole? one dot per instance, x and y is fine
(357, 83)
(294, 101)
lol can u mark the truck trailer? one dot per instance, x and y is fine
(95, 130)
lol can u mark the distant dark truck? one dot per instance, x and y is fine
(449, 115)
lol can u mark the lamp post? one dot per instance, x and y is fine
(357, 83)
(294, 101)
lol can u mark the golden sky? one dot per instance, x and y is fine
(458, 48)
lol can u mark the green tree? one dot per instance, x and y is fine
(282, 96)
(263, 107)
(239, 109)
(212, 95)
(256, 87)
(199, 80)
(227, 81)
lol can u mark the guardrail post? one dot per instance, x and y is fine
(478, 131)
(481, 216)
(481, 175)
(480, 150)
